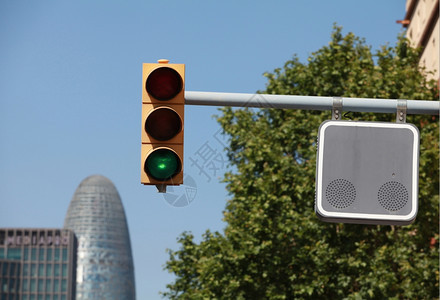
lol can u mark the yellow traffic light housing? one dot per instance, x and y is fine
(163, 88)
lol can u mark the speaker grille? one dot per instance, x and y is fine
(340, 193)
(393, 195)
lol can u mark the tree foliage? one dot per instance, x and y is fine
(273, 246)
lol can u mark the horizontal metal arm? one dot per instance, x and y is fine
(415, 107)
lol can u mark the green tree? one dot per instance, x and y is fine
(273, 246)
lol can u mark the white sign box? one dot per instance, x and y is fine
(367, 172)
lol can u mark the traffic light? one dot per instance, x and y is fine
(163, 87)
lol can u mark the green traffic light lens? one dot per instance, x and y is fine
(163, 164)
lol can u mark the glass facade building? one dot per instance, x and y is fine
(104, 258)
(37, 264)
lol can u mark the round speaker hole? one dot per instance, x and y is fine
(340, 193)
(393, 196)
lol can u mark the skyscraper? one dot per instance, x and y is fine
(104, 259)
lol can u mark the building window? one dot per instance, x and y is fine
(33, 270)
(25, 285)
(12, 285)
(25, 269)
(33, 287)
(56, 285)
(11, 269)
(49, 254)
(34, 254)
(5, 270)
(48, 270)
(26, 254)
(64, 254)
(64, 270)
(56, 270)
(4, 285)
(14, 253)
(40, 285)
(57, 254)
(41, 270)
(48, 285)
(41, 256)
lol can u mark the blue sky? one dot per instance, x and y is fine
(70, 99)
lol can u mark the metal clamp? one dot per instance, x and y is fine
(337, 108)
(401, 111)
(161, 188)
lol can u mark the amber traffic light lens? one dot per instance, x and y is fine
(163, 123)
(164, 83)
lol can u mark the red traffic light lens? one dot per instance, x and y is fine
(163, 123)
(164, 83)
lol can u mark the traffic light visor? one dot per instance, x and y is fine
(162, 164)
(164, 83)
(163, 123)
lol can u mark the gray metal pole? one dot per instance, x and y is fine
(309, 102)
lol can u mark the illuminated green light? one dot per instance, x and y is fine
(162, 164)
